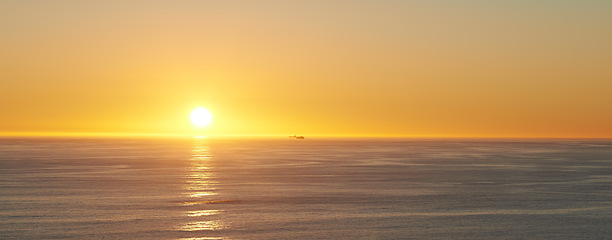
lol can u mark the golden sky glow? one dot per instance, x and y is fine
(352, 68)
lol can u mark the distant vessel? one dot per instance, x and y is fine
(297, 137)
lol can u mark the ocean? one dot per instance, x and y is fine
(207, 188)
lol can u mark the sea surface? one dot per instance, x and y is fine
(206, 188)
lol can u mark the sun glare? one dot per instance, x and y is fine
(201, 117)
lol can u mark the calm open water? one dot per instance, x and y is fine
(305, 189)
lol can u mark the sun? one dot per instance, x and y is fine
(201, 117)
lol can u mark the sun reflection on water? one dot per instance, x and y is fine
(200, 182)
(199, 213)
(202, 238)
(200, 187)
(201, 226)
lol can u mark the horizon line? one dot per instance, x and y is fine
(189, 135)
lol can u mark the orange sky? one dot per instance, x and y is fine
(350, 68)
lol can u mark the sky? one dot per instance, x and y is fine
(443, 68)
